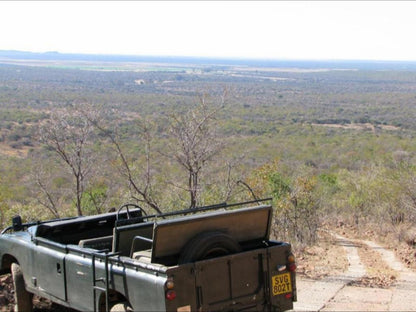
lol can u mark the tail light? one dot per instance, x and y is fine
(170, 292)
(170, 284)
(170, 295)
(292, 264)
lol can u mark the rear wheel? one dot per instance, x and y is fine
(121, 307)
(208, 245)
(22, 298)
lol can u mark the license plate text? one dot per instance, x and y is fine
(281, 284)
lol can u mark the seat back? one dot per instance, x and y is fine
(123, 237)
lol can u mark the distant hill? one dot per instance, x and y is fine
(331, 64)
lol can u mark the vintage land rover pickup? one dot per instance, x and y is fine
(213, 258)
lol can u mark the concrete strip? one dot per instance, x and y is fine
(352, 298)
(403, 300)
(356, 269)
(404, 293)
(387, 255)
(313, 295)
(334, 294)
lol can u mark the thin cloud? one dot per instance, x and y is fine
(255, 29)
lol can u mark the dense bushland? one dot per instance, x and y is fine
(328, 146)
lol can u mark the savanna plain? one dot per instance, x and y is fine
(333, 146)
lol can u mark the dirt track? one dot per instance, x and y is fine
(341, 293)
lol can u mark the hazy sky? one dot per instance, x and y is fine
(383, 30)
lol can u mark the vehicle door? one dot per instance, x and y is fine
(48, 273)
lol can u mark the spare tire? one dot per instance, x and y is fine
(208, 245)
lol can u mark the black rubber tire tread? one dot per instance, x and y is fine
(121, 307)
(208, 245)
(22, 298)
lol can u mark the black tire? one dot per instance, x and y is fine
(121, 307)
(208, 245)
(22, 298)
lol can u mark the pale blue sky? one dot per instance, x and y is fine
(382, 30)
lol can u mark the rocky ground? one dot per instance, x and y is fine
(7, 300)
(6, 293)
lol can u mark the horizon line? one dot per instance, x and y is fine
(228, 58)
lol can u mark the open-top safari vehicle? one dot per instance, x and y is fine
(213, 258)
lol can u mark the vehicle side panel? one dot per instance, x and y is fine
(79, 281)
(18, 246)
(49, 269)
(144, 289)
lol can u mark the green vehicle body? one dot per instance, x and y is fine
(221, 260)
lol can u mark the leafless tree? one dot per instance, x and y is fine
(69, 132)
(46, 198)
(141, 189)
(194, 141)
(49, 185)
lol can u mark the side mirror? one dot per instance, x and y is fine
(17, 223)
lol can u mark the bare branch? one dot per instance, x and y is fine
(68, 133)
(194, 143)
(143, 192)
(249, 188)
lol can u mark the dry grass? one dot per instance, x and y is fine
(327, 258)
(358, 126)
(379, 273)
(7, 150)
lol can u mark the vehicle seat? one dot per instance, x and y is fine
(99, 243)
(143, 255)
